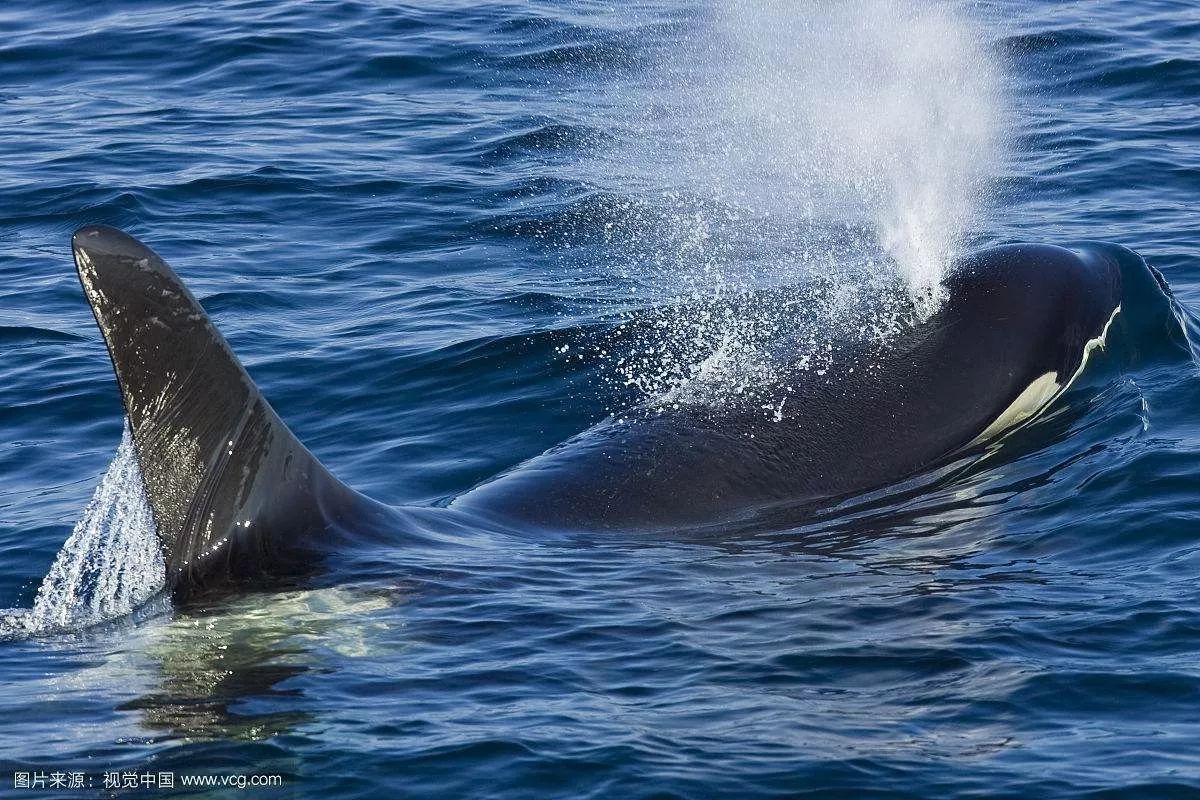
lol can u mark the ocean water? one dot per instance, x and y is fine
(432, 232)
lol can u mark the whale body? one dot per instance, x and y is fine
(236, 497)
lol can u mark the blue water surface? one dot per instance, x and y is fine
(419, 224)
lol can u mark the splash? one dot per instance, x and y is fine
(109, 566)
(884, 113)
(840, 151)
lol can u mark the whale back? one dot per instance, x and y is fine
(1013, 332)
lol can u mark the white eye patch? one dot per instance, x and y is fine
(1038, 396)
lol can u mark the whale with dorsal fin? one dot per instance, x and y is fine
(237, 497)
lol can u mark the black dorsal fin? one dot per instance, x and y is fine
(235, 495)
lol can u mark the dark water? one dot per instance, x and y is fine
(420, 226)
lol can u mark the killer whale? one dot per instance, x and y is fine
(237, 498)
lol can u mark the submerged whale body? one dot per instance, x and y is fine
(236, 497)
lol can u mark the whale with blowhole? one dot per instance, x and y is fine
(237, 500)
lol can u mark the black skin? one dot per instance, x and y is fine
(264, 507)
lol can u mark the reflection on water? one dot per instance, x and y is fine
(224, 670)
